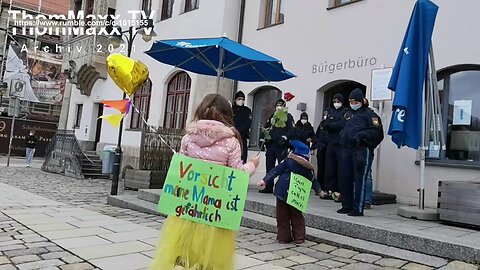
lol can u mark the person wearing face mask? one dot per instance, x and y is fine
(242, 117)
(334, 124)
(277, 146)
(303, 131)
(30, 144)
(362, 133)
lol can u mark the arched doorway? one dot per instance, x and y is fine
(326, 93)
(264, 99)
(178, 95)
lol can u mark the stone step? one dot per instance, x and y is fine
(387, 229)
(89, 175)
(134, 203)
(92, 166)
(149, 195)
(257, 221)
(92, 160)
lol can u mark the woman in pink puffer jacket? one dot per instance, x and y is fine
(186, 244)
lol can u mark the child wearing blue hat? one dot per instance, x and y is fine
(290, 221)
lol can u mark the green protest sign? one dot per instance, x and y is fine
(204, 192)
(299, 192)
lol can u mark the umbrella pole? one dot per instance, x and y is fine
(423, 147)
(220, 67)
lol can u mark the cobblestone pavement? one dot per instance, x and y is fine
(21, 248)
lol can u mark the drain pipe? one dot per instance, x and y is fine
(239, 40)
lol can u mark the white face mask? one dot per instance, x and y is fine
(278, 108)
(337, 105)
(304, 121)
(240, 102)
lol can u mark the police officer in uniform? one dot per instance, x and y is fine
(242, 117)
(277, 146)
(334, 124)
(363, 131)
(320, 145)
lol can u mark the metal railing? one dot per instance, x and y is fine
(64, 155)
(155, 154)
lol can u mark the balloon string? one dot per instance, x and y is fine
(152, 129)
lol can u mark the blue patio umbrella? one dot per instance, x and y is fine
(219, 57)
(408, 123)
(409, 75)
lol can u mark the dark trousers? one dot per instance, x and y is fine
(244, 149)
(333, 167)
(275, 153)
(290, 223)
(354, 175)
(321, 169)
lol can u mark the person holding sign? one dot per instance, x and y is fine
(186, 244)
(290, 220)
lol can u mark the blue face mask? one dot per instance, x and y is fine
(355, 106)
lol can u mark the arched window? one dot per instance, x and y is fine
(460, 101)
(141, 100)
(264, 101)
(178, 95)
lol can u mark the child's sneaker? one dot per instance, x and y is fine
(368, 206)
(336, 196)
(324, 195)
(299, 242)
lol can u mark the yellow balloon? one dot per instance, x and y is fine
(127, 73)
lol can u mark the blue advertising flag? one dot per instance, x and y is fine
(409, 74)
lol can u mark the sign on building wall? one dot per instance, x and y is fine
(43, 131)
(462, 112)
(380, 79)
(35, 76)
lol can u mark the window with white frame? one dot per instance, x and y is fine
(78, 116)
(191, 5)
(141, 101)
(178, 96)
(272, 12)
(147, 6)
(167, 9)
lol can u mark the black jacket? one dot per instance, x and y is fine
(334, 123)
(301, 132)
(242, 117)
(276, 133)
(362, 128)
(31, 142)
(321, 138)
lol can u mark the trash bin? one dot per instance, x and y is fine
(108, 157)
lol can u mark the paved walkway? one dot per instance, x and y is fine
(49, 234)
(66, 224)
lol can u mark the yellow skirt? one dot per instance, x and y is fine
(194, 246)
